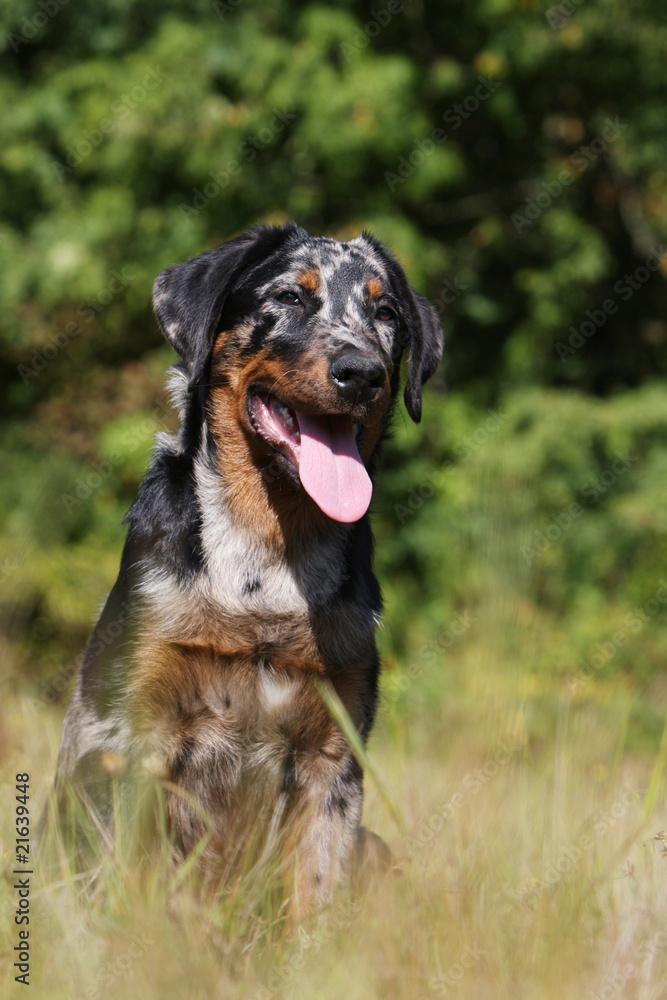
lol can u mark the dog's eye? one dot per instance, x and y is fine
(289, 299)
(384, 314)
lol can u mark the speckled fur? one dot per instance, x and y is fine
(235, 590)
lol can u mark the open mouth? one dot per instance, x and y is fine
(322, 449)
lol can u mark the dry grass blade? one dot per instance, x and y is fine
(342, 719)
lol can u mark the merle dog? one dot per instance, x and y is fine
(247, 568)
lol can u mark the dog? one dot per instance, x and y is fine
(247, 574)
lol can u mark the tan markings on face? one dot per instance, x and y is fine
(298, 382)
(303, 385)
(225, 351)
(271, 506)
(239, 471)
(372, 435)
(310, 280)
(374, 288)
(263, 503)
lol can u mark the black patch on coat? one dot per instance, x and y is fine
(165, 519)
(345, 786)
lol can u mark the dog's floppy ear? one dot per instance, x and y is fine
(420, 329)
(425, 351)
(189, 298)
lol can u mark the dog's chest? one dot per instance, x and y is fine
(222, 687)
(245, 576)
(237, 728)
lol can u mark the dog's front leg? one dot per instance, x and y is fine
(324, 838)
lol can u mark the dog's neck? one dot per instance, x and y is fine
(284, 600)
(257, 557)
(258, 548)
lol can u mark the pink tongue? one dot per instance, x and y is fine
(330, 467)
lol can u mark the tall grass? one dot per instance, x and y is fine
(527, 868)
(525, 812)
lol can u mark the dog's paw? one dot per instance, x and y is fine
(372, 859)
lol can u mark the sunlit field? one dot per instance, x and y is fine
(511, 155)
(529, 854)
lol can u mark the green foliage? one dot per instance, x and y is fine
(555, 494)
(512, 156)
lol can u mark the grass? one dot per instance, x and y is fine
(528, 865)
(526, 815)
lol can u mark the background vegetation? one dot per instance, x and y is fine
(513, 155)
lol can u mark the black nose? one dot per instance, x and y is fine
(358, 377)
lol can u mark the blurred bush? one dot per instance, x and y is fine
(513, 155)
(553, 498)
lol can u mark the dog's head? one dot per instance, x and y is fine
(296, 342)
